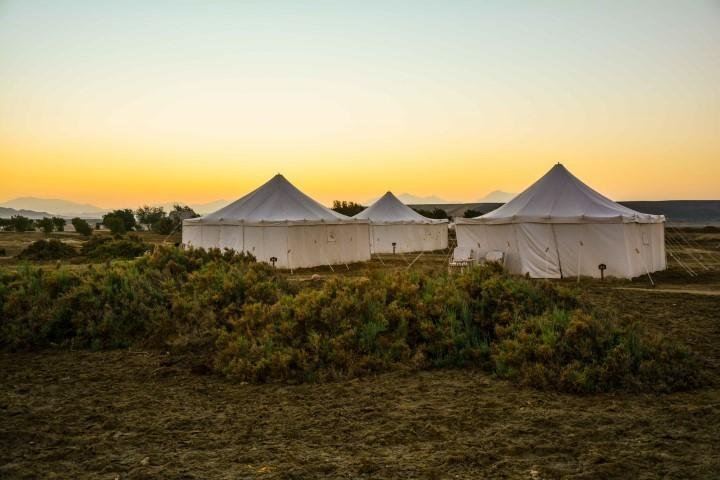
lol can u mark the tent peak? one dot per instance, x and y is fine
(389, 209)
(560, 197)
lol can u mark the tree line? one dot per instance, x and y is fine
(117, 221)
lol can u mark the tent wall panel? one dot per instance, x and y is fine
(192, 235)
(532, 248)
(408, 237)
(231, 237)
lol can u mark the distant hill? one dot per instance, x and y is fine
(54, 205)
(457, 209)
(705, 212)
(408, 198)
(9, 212)
(497, 196)
(689, 212)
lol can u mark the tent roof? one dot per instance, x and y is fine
(389, 209)
(560, 197)
(276, 201)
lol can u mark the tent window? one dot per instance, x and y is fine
(645, 238)
(331, 237)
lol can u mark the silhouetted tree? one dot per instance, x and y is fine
(115, 223)
(46, 225)
(149, 216)
(82, 226)
(437, 213)
(347, 208)
(59, 223)
(470, 213)
(21, 224)
(125, 215)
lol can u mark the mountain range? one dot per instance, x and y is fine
(56, 206)
(496, 196)
(692, 212)
(34, 207)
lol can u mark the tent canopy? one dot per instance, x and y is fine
(560, 197)
(276, 201)
(389, 209)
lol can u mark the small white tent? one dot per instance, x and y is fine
(560, 227)
(391, 221)
(279, 221)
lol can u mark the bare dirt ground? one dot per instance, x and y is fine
(123, 414)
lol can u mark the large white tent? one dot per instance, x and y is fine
(560, 227)
(279, 221)
(392, 222)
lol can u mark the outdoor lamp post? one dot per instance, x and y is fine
(273, 260)
(602, 268)
(393, 244)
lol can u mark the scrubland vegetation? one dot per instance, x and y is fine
(244, 320)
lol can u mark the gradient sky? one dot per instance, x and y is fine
(128, 102)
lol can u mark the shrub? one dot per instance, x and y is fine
(245, 321)
(578, 352)
(48, 250)
(106, 248)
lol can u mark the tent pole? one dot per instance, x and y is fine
(645, 267)
(411, 263)
(557, 249)
(579, 263)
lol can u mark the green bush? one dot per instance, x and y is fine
(578, 352)
(106, 248)
(244, 320)
(48, 250)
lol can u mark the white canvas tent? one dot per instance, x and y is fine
(560, 227)
(278, 220)
(391, 221)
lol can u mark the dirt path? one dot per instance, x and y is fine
(715, 293)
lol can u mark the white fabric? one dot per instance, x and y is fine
(494, 256)
(560, 197)
(389, 209)
(275, 201)
(391, 221)
(559, 227)
(462, 253)
(277, 220)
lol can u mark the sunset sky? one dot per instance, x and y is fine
(119, 103)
